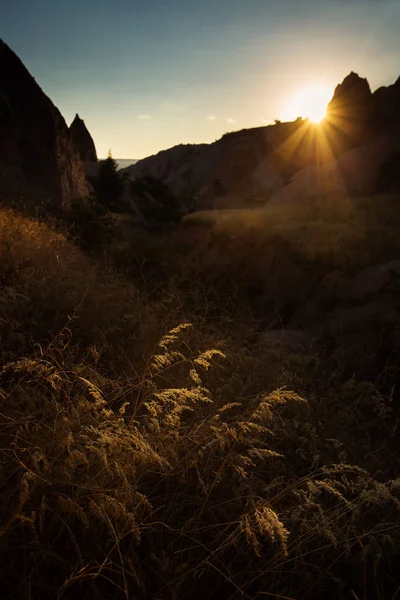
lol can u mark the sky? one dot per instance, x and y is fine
(147, 75)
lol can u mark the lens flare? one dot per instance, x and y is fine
(310, 102)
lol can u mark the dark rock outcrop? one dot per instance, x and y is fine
(241, 169)
(363, 132)
(355, 151)
(349, 112)
(360, 114)
(362, 171)
(83, 140)
(36, 149)
(386, 107)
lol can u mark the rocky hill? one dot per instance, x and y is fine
(38, 159)
(357, 142)
(83, 140)
(125, 162)
(241, 168)
(355, 151)
(367, 127)
(349, 112)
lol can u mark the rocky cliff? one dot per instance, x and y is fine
(362, 171)
(349, 112)
(241, 169)
(38, 158)
(366, 128)
(386, 107)
(83, 140)
(345, 154)
(359, 116)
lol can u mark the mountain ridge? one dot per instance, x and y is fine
(248, 167)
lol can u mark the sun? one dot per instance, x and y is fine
(310, 102)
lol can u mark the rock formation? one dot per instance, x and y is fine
(241, 169)
(361, 114)
(363, 130)
(386, 107)
(355, 151)
(349, 113)
(83, 140)
(358, 172)
(36, 149)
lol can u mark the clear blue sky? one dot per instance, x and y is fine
(146, 75)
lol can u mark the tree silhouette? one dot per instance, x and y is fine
(109, 184)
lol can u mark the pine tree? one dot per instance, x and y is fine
(109, 184)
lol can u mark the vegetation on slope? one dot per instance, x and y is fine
(155, 444)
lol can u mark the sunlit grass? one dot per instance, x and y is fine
(156, 445)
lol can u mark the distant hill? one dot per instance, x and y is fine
(125, 162)
(358, 143)
(243, 169)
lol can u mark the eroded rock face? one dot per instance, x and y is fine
(355, 151)
(241, 170)
(350, 111)
(35, 144)
(358, 172)
(363, 131)
(83, 140)
(386, 106)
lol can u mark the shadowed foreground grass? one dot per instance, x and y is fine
(148, 451)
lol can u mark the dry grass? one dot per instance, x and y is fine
(345, 233)
(286, 261)
(204, 464)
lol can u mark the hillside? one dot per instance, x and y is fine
(248, 168)
(123, 163)
(202, 176)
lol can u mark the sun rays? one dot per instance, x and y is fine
(311, 102)
(314, 145)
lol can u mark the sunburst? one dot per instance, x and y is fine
(311, 102)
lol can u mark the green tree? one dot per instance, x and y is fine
(110, 185)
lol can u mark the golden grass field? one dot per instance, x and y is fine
(155, 444)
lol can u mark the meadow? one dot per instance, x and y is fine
(161, 438)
